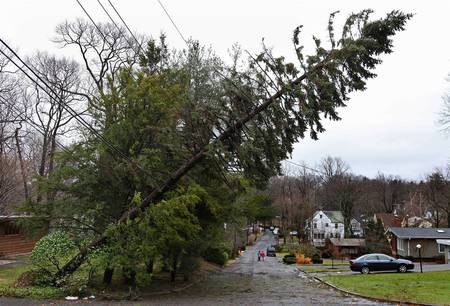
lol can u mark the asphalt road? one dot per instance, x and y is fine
(246, 282)
(252, 282)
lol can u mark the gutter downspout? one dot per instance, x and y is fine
(409, 239)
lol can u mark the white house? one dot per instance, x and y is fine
(330, 224)
(326, 224)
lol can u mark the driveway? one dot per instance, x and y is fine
(246, 282)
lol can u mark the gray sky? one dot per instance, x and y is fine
(391, 127)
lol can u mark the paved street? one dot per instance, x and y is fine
(246, 282)
(269, 282)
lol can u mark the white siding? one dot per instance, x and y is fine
(322, 228)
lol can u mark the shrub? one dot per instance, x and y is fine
(217, 255)
(316, 259)
(32, 278)
(52, 252)
(188, 265)
(289, 259)
(302, 260)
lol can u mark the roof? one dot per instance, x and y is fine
(388, 220)
(418, 232)
(443, 241)
(348, 242)
(334, 215)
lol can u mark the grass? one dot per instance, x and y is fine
(9, 275)
(429, 287)
(320, 270)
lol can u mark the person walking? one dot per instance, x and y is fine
(262, 254)
(259, 255)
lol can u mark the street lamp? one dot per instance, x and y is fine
(419, 246)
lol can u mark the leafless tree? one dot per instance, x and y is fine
(104, 49)
(52, 109)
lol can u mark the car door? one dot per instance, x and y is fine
(372, 262)
(386, 263)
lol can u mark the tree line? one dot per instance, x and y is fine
(333, 186)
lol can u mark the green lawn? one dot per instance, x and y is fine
(8, 275)
(320, 270)
(429, 287)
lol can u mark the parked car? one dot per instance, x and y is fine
(271, 252)
(380, 262)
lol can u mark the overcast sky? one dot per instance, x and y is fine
(391, 127)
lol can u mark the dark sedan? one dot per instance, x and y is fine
(380, 262)
(271, 252)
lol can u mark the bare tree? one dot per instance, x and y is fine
(104, 49)
(52, 109)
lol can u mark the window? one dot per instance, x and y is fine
(320, 216)
(326, 224)
(384, 257)
(441, 248)
(335, 225)
(371, 257)
(315, 225)
(315, 236)
(338, 235)
(401, 244)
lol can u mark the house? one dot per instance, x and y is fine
(325, 225)
(404, 241)
(357, 230)
(12, 240)
(387, 220)
(446, 244)
(416, 222)
(348, 247)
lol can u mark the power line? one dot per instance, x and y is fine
(109, 16)
(304, 166)
(90, 18)
(129, 30)
(173, 22)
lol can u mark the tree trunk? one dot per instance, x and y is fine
(129, 275)
(107, 276)
(149, 266)
(22, 165)
(173, 271)
(41, 170)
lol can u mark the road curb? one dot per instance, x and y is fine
(364, 296)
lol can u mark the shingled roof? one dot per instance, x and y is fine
(334, 215)
(348, 242)
(417, 232)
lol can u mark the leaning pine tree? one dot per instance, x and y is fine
(283, 99)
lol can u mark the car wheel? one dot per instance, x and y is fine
(365, 270)
(402, 269)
